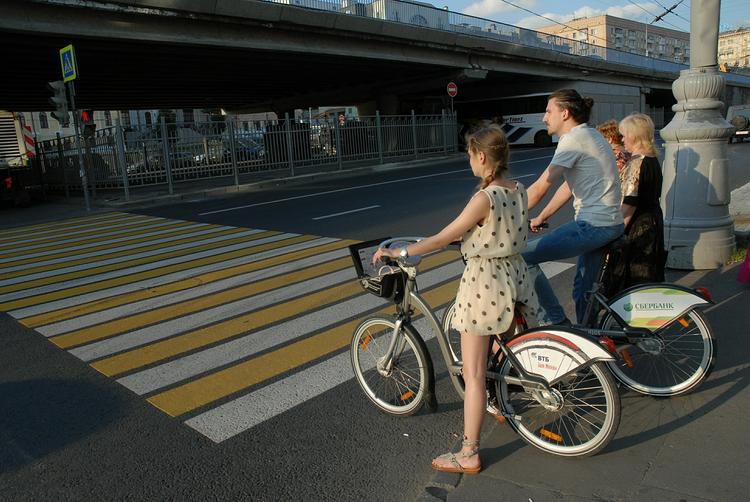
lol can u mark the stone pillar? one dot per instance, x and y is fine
(698, 231)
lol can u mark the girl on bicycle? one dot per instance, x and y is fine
(493, 229)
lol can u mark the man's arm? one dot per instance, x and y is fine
(561, 197)
(541, 186)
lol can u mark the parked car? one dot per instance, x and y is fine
(152, 163)
(246, 149)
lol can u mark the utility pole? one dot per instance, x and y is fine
(698, 231)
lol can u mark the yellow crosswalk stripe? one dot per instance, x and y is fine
(135, 321)
(172, 287)
(102, 239)
(207, 389)
(176, 229)
(13, 233)
(136, 358)
(124, 252)
(132, 263)
(132, 223)
(147, 274)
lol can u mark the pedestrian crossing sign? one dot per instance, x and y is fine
(68, 63)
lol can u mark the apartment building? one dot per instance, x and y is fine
(734, 48)
(611, 32)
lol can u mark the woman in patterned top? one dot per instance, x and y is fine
(640, 181)
(493, 229)
(610, 131)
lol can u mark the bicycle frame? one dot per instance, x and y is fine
(530, 382)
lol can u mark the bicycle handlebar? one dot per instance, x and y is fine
(398, 242)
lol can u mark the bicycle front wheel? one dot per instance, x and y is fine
(580, 419)
(674, 362)
(399, 388)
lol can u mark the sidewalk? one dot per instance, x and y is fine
(677, 449)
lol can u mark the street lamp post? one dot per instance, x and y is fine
(698, 231)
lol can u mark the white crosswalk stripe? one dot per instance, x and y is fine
(199, 318)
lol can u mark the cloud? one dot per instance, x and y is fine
(643, 12)
(490, 9)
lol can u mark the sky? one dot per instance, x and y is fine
(734, 13)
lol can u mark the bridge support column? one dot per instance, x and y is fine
(699, 233)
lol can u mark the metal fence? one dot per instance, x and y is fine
(118, 158)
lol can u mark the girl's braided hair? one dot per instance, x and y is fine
(492, 142)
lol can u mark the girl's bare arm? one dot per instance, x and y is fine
(475, 212)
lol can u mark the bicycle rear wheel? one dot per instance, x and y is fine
(674, 362)
(401, 389)
(584, 419)
(453, 337)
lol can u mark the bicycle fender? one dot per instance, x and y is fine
(538, 351)
(654, 305)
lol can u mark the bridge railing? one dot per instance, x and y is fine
(430, 17)
(220, 153)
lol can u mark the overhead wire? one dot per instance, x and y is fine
(550, 19)
(654, 15)
(671, 9)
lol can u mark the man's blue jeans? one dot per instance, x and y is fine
(576, 238)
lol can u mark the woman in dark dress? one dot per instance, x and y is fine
(640, 180)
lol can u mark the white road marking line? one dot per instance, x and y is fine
(164, 300)
(192, 365)
(197, 320)
(88, 279)
(70, 229)
(204, 361)
(239, 415)
(163, 279)
(114, 249)
(146, 226)
(727, 300)
(205, 240)
(348, 189)
(109, 242)
(345, 212)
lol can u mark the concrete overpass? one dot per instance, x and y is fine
(252, 55)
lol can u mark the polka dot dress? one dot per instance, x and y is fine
(495, 277)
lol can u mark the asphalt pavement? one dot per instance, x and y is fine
(686, 448)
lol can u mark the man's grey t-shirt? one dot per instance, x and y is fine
(591, 173)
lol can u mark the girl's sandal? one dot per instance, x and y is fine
(455, 464)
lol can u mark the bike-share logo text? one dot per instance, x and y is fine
(543, 361)
(653, 306)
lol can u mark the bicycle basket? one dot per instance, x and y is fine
(385, 282)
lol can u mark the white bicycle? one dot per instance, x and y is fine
(551, 384)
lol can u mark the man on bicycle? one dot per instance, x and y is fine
(586, 162)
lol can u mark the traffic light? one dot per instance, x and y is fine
(60, 101)
(87, 119)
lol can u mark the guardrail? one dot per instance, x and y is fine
(118, 158)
